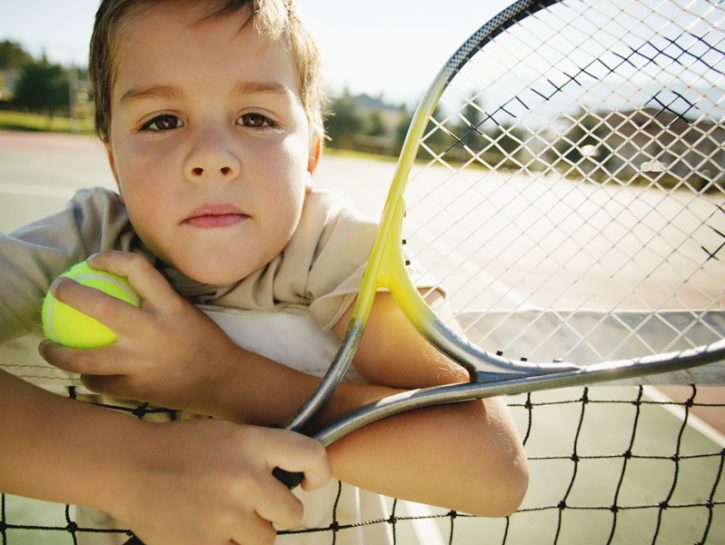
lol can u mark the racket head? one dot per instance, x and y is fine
(562, 180)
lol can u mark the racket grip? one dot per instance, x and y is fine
(291, 479)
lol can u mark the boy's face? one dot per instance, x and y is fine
(209, 142)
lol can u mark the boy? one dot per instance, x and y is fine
(210, 115)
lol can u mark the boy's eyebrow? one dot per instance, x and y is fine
(167, 91)
(153, 91)
(252, 87)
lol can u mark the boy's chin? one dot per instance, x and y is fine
(215, 276)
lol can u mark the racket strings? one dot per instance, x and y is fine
(486, 242)
(643, 245)
(635, 332)
(507, 133)
(461, 261)
(590, 184)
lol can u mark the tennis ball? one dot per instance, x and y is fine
(69, 327)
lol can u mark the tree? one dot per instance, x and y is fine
(376, 124)
(471, 121)
(345, 122)
(43, 87)
(401, 129)
(581, 150)
(439, 138)
(505, 144)
(469, 129)
(13, 56)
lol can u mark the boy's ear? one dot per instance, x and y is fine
(314, 158)
(112, 164)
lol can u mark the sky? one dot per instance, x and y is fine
(388, 47)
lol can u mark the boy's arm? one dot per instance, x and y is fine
(470, 454)
(190, 482)
(465, 456)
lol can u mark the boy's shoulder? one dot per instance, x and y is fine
(343, 236)
(90, 212)
(94, 217)
(333, 210)
(98, 205)
(97, 197)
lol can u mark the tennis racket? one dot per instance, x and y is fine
(568, 197)
(562, 180)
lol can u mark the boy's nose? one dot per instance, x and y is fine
(199, 171)
(211, 158)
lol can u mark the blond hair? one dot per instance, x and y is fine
(271, 18)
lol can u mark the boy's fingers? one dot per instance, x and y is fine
(304, 455)
(108, 310)
(253, 529)
(98, 361)
(112, 385)
(142, 275)
(278, 505)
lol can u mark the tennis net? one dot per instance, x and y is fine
(622, 464)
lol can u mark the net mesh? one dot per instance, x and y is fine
(617, 464)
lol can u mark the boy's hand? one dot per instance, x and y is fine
(211, 482)
(163, 348)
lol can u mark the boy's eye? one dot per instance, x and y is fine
(164, 122)
(256, 121)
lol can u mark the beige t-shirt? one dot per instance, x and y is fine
(319, 269)
(283, 311)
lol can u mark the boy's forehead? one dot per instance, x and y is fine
(177, 55)
(186, 12)
(164, 37)
(150, 20)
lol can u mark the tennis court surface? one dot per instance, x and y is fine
(610, 464)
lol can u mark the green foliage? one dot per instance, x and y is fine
(505, 145)
(472, 135)
(345, 122)
(401, 130)
(43, 87)
(438, 139)
(470, 126)
(23, 121)
(581, 150)
(13, 56)
(376, 124)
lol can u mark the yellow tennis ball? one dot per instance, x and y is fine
(69, 327)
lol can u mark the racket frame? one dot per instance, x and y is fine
(386, 267)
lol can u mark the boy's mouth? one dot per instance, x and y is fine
(215, 215)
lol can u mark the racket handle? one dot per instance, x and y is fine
(291, 479)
